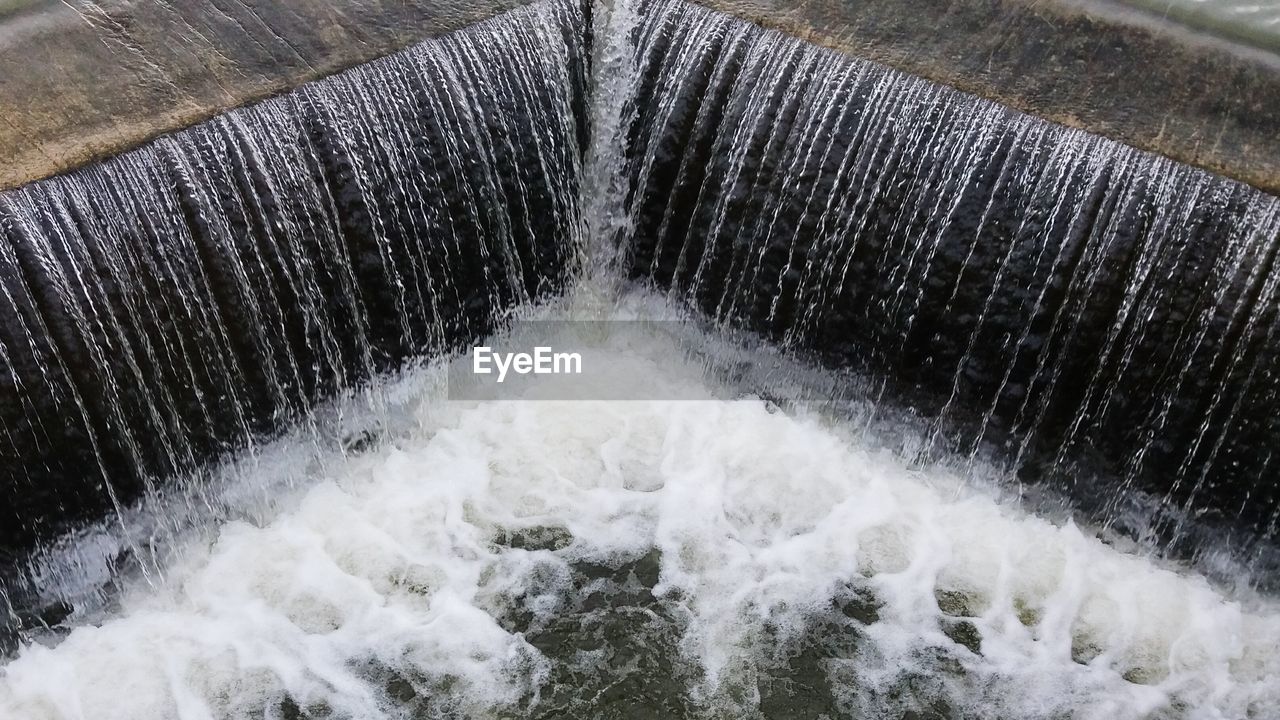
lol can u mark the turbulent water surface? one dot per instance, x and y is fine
(724, 556)
(875, 508)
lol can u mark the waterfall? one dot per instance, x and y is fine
(1101, 318)
(873, 328)
(200, 293)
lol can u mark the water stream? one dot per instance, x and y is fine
(974, 420)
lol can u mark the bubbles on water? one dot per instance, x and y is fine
(701, 558)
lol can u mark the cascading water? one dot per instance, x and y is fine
(1102, 317)
(200, 292)
(233, 306)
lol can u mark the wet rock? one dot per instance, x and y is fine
(964, 633)
(541, 537)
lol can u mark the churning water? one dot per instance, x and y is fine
(713, 557)
(1106, 317)
(206, 338)
(197, 293)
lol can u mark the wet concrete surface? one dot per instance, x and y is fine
(82, 80)
(1194, 95)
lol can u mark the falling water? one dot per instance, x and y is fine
(204, 291)
(1103, 318)
(877, 297)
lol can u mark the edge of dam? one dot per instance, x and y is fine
(81, 82)
(1191, 94)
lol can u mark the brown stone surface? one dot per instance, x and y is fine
(1102, 67)
(81, 80)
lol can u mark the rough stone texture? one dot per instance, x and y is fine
(1109, 69)
(81, 80)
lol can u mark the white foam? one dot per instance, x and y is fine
(386, 564)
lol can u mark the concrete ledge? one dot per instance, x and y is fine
(80, 81)
(1109, 69)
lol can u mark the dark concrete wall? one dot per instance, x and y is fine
(81, 80)
(1114, 70)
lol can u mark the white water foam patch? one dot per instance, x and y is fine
(387, 571)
